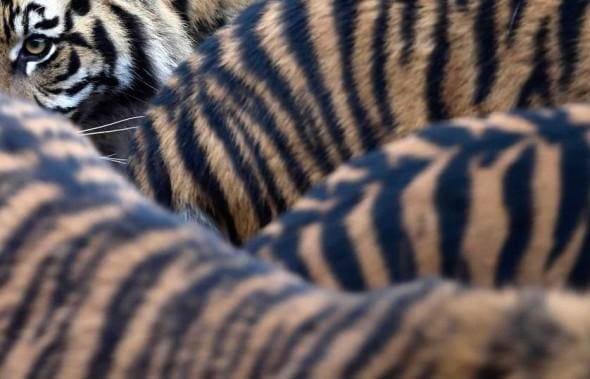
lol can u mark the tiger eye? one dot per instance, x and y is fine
(35, 46)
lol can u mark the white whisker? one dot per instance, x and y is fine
(110, 124)
(513, 19)
(110, 131)
(115, 160)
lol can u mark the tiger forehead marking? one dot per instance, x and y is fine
(83, 58)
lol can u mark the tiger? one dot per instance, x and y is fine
(100, 61)
(97, 281)
(495, 202)
(291, 89)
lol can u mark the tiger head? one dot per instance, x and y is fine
(87, 58)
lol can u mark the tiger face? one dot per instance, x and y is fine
(84, 58)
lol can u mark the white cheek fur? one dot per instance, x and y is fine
(13, 54)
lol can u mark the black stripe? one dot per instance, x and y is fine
(451, 197)
(270, 345)
(287, 247)
(518, 199)
(378, 71)
(324, 342)
(69, 23)
(145, 84)
(453, 189)
(8, 21)
(262, 68)
(181, 7)
(267, 177)
(196, 162)
(538, 80)
(571, 18)
(81, 7)
(76, 88)
(297, 334)
(387, 213)
(486, 46)
(205, 27)
(74, 65)
(104, 45)
(75, 39)
(337, 247)
(408, 31)
(388, 326)
(345, 15)
(73, 284)
(574, 183)
(62, 110)
(230, 333)
(26, 15)
(18, 318)
(452, 207)
(253, 106)
(579, 276)
(295, 19)
(47, 24)
(12, 16)
(182, 311)
(436, 68)
(155, 166)
(124, 304)
(238, 167)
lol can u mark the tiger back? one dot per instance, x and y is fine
(493, 202)
(291, 89)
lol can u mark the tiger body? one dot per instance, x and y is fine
(97, 282)
(98, 61)
(291, 89)
(493, 202)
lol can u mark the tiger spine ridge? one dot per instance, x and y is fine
(493, 202)
(98, 282)
(269, 106)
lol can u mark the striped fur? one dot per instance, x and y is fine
(104, 59)
(97, 282)
(494, 202)
(293, 88)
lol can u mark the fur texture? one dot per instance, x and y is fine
(98, 282)
(272, 104)
(493, 202)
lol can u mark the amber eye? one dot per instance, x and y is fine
(36, 46)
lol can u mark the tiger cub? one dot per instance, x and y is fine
(98, 61)
(98, 282)
(270, 105)
(499, 201)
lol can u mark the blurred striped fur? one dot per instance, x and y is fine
(97, 282)
(271, 105)
(497, 201)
